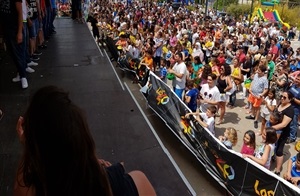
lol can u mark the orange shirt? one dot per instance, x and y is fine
(149, 62)
(218, 35)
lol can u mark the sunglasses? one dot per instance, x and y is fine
(283, 97)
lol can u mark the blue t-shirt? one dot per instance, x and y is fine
(293, 67)
(196, 68)
(294, 172)
(269, 124)
(193, 93)
(163, 72)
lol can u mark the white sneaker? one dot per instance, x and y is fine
(16, 79)
(30, 70)
(24, 83)
(32, 63)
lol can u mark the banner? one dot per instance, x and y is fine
(232, 171)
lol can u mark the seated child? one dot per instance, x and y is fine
(293, 170)
(207, 119)
(229, 139)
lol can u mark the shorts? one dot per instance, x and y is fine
(223, 97)
(33, 30)
(256, 102)
(265, 116)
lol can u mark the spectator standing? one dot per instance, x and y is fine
(180, 71)
(264, 152)
(287, 112)
(295, 90)
(157, 48)
(12, 20)
(271, 67)
(209, 93)
(258, 89)
(224, 84)
(191, 96)
(267, 106)
(273, 50)
(249, 143)
(206, 119)
(229, 139)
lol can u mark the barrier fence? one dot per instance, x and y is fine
(227, 167)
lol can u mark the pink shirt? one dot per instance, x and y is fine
(247, 150)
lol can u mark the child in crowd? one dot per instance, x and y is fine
(206, 119)
(293, 66)
(267, 106)
(215, 68)
(249, 143)
(191, 95)
(163, 70)
(148, 60)
(229, 139)
(275, 118)
(264, 152)
(197, 65)
(293, 170)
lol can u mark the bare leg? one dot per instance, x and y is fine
(279, 162)
(263, 125)
(222, 111)
(142, 183)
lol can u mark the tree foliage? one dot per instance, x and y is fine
(222, 4)
(289, 15)
(238, 10)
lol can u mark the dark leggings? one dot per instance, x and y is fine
(280, 145)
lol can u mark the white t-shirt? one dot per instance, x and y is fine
(210, 121)
(194, 37)
(180, 68)
(209, 93)
(264, 108)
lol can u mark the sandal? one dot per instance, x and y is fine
(220, 122)
(1, 114)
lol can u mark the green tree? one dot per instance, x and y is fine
(222, 4)
(238, 10)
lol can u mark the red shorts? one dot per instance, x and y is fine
(256, 102)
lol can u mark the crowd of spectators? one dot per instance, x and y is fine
(210, 59)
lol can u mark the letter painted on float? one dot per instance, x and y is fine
(262, 192)
(162, 97)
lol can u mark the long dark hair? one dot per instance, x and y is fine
(59, 156)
